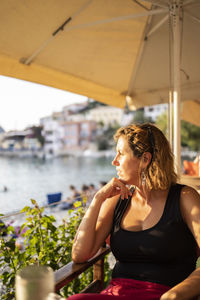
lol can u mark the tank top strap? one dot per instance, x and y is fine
(172, 207)
(120, 208)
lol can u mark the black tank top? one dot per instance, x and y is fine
(165, 253)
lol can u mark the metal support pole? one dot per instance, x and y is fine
(176, 86)
(199, 163)
(170, 119)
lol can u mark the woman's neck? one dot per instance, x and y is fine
(146, 196)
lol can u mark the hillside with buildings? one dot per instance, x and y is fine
(78, 128)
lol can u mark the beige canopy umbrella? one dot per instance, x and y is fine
(114, 51)
(86, 47)
(191, 112)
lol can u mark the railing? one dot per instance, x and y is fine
(70, 271)
(18, 212)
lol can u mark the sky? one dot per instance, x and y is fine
(23, 103)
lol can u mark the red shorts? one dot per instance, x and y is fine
(129, 288)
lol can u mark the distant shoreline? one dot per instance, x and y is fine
(74, 152)
(42, 155)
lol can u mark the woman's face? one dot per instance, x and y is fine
(127, 165)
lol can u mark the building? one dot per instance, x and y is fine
(1, 130)
(53, 134)
(32, 143)
(78, 134)
(74, 109)
(20, 141)
(107, 115)
(58, 116)
(154, 111)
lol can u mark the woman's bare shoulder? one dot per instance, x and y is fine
(188, 194)
(190, 201)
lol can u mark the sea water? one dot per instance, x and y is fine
(33, 178)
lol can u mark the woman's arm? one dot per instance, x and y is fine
(190, 208)
(97, 222)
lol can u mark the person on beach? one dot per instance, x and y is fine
(75, 196)
(5, 189)
(85, 194)
(153, 223)
(102, 183)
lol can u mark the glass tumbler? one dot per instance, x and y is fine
(34, 283)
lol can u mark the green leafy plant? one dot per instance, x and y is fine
(43, 244)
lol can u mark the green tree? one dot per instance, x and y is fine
(102, 143)
(190, 134)
(139, 117)
(161, 122)
(37, 131)
(105, 140)
(93, 104)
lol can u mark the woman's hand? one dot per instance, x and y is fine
(112, 188)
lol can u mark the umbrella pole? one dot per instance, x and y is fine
(176, 86)
(169, 119)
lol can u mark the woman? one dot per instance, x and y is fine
(154, 223)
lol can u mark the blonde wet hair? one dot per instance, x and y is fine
(160, 173)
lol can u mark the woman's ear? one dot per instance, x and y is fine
(146, 158)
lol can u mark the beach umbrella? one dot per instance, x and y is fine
(191, 112)
(121, 52)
